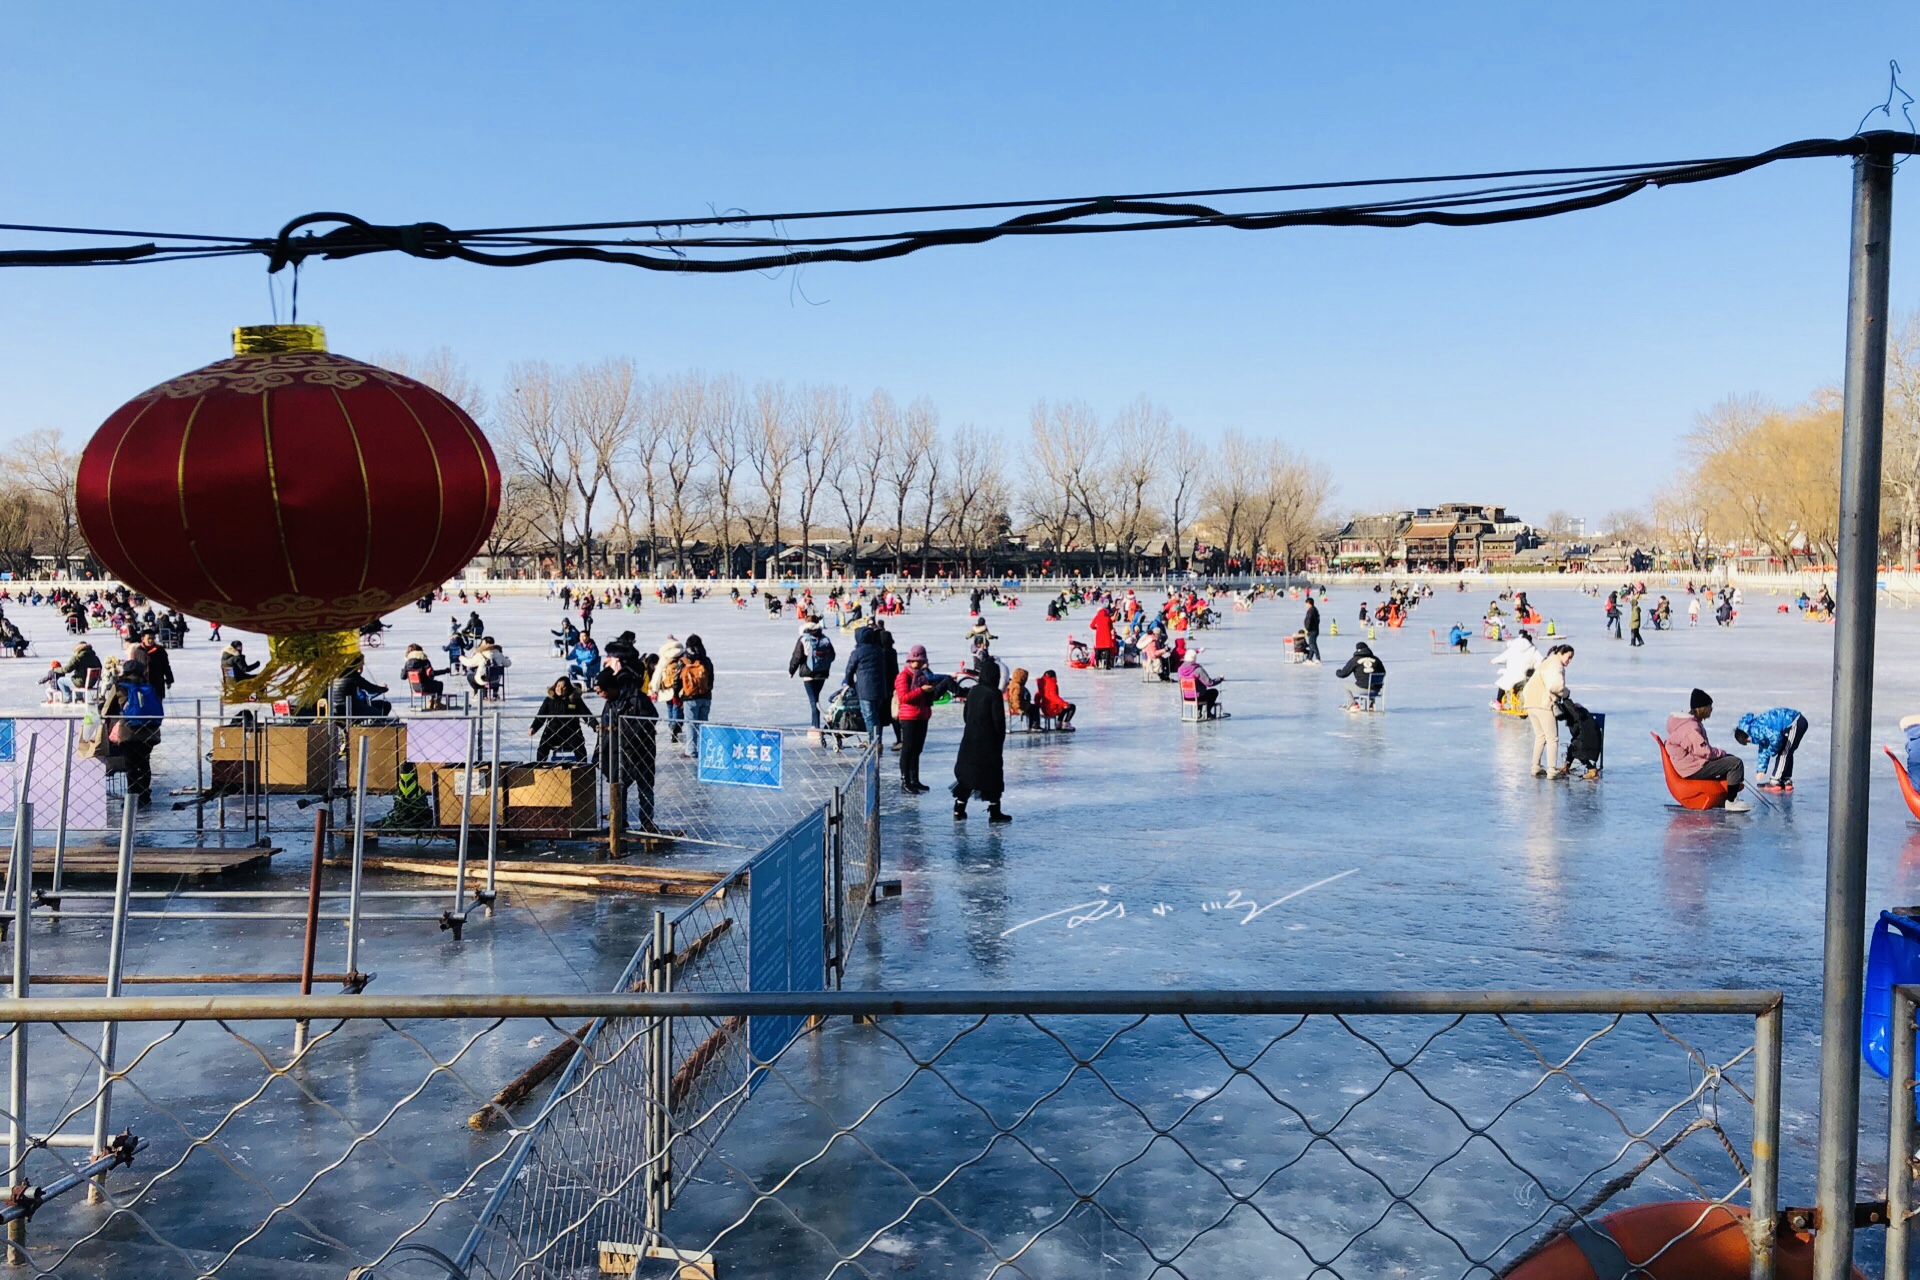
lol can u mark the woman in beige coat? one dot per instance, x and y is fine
(1545, 688)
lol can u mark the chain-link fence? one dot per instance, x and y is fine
(980, 1133)
(234, 778)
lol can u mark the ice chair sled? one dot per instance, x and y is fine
(1690, 793)
(1907, 789)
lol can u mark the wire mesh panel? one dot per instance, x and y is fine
(1042, 1134)
(1195, 1145)
(1254, 1141)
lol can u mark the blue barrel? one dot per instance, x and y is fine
(1893, 960)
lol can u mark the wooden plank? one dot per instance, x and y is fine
(101, 860)
(586, 877)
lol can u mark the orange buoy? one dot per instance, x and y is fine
(1907, 788)
(1691, 793)
(1672, 1240)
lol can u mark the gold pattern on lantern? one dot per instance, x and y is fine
(251, 375)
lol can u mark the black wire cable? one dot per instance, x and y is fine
(1551, 193)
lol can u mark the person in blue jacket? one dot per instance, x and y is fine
(1776, 733)
(1457, 638)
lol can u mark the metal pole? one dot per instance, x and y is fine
(496, 788)
(19, 1136)
(199, 770)
(321, 818)
(466, 822)
(60, 831)
(1865, 395)
(110, 1030)
(1765, 1185)
(1900, 1134)
(359, 860)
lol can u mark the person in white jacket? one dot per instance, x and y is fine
(666, 684)
(1516, 663)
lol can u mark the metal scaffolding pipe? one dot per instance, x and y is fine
(116, 961)
(893, 1004)
(1855, 583)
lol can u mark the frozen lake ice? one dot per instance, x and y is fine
(1295, 845)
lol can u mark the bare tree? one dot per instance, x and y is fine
(770, 449)
(1137, 448)
(1238, 471)
(905, 454)
(536, 446)
(923, 424)
(826, 421)
(682, 448)
(1902, 469)
(516, 531)
(1188, 460)
(973, 505)
(856, 481)
(597, 420)
(1067, 452)
(1293, 502)
(445, 372)
(724, 432)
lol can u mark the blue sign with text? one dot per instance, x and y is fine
(740, 757)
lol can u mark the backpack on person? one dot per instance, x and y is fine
(141, 703)
(820, 656)
(696, 679)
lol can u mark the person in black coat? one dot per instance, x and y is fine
(350, 695)
(561, 722)
(980, 768)
(627, 752)
(1368, 672)
(1312, 627)
(870, 674)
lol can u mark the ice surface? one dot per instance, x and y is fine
(1151, 853)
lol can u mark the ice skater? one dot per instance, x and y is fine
(1545, 690)
(1776, 734)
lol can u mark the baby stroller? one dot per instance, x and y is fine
(843, 712)
(1586, 735)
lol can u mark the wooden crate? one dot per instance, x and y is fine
(551, 797)
(386, 750)
(296, 759)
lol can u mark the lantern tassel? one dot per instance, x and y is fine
(300, 666)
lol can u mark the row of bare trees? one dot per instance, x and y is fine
(36, 503)
(610, 468)
(1764, 475)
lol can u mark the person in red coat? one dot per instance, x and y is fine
(914, 692)
(1103, 646)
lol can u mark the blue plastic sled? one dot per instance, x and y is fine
(1893, 960)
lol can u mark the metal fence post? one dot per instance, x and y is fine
(60, 831)
(109, 1030)
(496, 786)
(199, 770)
(1900, 1134)
(19, 1137)
(836, 873)
(1864, 404)
(1764, 1189)
(359, 866)
(466, 823)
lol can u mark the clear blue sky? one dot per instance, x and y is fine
(1544, 365)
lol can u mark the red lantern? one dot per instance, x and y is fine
(287, 490)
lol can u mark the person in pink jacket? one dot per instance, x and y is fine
(1693, 756)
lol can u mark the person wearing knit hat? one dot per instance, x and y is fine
(1694, 757)
(915, 690)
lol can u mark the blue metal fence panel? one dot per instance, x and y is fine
(786, 944)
